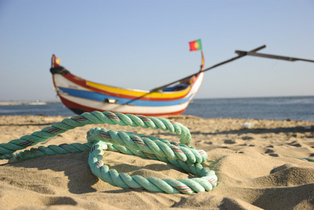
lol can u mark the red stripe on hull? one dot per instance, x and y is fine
(71, 105)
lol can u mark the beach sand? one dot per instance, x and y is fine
(258, 168)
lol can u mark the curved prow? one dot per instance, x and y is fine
(55, 61)
(55, 66)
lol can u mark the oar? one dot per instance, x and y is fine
(210, 68)
(272, 56)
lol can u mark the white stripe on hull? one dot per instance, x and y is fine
(65, 83)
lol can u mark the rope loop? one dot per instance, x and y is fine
(145, 146)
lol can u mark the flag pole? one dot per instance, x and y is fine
(203, 61)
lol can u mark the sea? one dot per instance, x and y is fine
(280, 108)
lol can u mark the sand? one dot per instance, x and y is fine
(258, 168)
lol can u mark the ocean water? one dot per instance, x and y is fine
(296, 108)
(280, 108)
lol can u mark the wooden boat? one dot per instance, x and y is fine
(80, 95)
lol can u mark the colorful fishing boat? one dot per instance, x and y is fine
(81, 95)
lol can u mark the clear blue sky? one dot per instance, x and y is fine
(144, 44)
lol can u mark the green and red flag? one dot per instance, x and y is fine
(195, 45)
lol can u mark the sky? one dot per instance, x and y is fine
(143, 44)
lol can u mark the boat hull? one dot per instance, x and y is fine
(80, 95)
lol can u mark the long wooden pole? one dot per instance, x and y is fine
(207, 69)
(272, 56)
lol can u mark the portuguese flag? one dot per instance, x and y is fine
(195, 45)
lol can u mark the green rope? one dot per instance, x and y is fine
(307, 159)
(146, 146)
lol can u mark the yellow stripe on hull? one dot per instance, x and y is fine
(114, 90)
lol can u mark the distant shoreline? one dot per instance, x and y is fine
(3, 103)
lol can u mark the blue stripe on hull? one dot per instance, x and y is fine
(101, 97)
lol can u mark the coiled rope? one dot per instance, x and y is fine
(146, 146)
